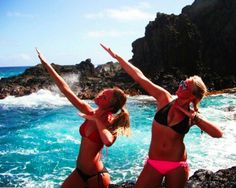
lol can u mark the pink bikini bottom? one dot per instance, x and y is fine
(164, 167)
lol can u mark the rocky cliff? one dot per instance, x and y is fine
(201, 40)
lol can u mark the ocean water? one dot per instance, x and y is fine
(11, 71)
(40, 140)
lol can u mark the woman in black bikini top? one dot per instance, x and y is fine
(162, 118)
(167, 153)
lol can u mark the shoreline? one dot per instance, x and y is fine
(139, 96)
(88, 81)
(222, 91)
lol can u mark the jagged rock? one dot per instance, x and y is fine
(86, 68)
(109, 69)
(201, 40)
(84, 79)
(169, 41)
(224, 178)
(127, 184)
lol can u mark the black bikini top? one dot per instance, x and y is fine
(162, 115)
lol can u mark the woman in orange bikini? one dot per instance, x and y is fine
(167, 153)
(101, 127)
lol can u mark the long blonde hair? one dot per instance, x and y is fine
(199, 90)
(121, 123)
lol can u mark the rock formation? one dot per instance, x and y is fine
(201, 40)
(224, 178)
(84, 79)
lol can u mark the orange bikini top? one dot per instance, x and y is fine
(94, 136)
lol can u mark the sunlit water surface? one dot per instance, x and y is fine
(39, 139)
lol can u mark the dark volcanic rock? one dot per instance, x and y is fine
(32, 80)
(170, 41)
(201, 40)
(84, 79)
(216, 23)
(225, 178)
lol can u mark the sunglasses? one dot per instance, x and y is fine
(183, 85)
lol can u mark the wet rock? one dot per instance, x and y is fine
(201, 40)
(84, 79)
(224, 178)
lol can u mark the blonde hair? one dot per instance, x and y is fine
(121, 123)
(199, 90)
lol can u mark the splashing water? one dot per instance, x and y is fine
(40, 139)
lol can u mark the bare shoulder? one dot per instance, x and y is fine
(164, 99)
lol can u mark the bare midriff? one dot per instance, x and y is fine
(89, 158)
(166, 144)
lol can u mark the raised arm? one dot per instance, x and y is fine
(64, 87)
(154, 90)
(205, 125)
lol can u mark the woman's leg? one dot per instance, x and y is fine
(177, 177)
(73, 181)
(102, 180)
(149, 177)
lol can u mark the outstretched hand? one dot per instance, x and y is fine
(191, 113)
(109, 51)
(40, 55)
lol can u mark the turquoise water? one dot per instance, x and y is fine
(11, 71)
(39, 139)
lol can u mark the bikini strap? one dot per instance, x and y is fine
(100, 182)
(99, 175)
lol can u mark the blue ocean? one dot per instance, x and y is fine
(40, 140)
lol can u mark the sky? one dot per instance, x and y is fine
(70, 31)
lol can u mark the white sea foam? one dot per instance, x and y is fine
(63, 138)
(43, 98)
(212, 153)
(27, 182)
(54, 140)
(141, 98)
(20, 151)
(71, 79)
(1, 126)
